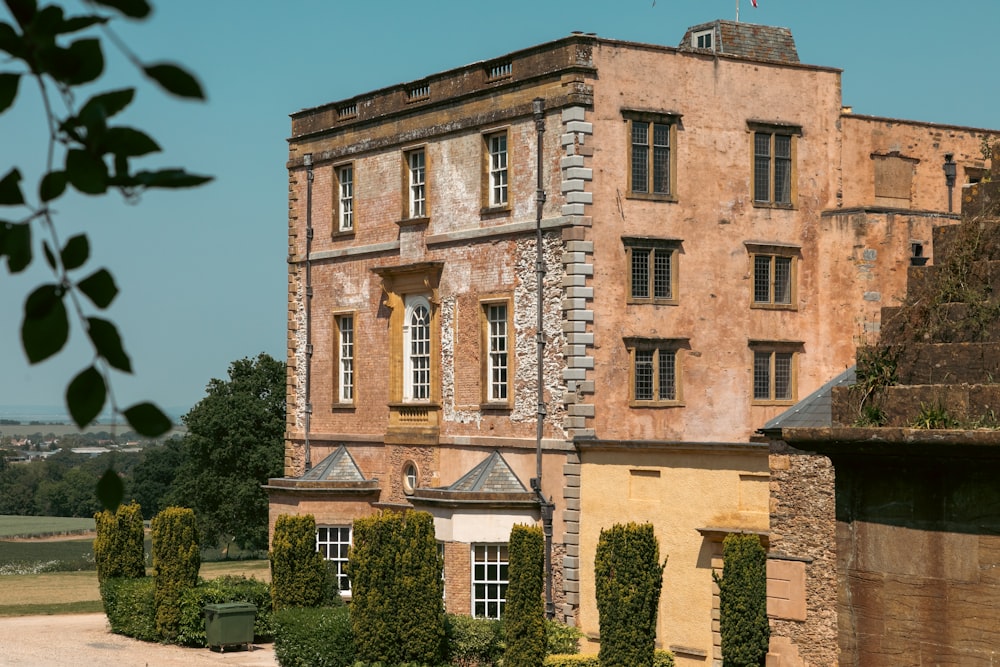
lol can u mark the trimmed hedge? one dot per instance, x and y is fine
(660, 659)
(313, 637)
(474, 642)
(561, 639)
(397, 613)
(176, 561)
(299, 576)
(628, 576)
(524, 613)
(118, 546)
(743, 601)
(191, 631)
(128, 604)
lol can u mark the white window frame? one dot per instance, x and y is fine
(332, 545)
(489, 584)
(345, 198)
(345, 358)
(416, 161)
(417, 351)
(498, 181)
(703, 39)
(496, 316)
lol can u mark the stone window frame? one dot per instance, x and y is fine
(772, 351)
(339, 229)
(339, 373)
(698, 40)
(416, 389)
(772, 252)
(773, 130)
(651, 119)
(671, 347)
(416, 185)
(491, 174)
(325, 541)
(488, 399)
(494, 588)
(652, 246)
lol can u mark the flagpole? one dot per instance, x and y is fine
(737, 11)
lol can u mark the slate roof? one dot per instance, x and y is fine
(337, 467)
(493, 475)
(815, 410)
(748, 40)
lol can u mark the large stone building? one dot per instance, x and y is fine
(717, 231)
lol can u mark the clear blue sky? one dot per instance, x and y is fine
(202, 273)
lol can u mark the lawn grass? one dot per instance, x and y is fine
(41, 526)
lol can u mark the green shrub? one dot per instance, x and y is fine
(628, 576)
(314, 637)
(397, 613)
(524, 613)
(191, 630)
(299, 575)
(660, 659)
(118, 546)
(129, 606)
(474, 642)
(743, 601)
(561, 639)
(176, 560)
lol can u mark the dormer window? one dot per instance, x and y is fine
(703, 39)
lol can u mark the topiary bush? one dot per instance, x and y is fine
(299, 576)
(176, 561)
(129, 606)
(561, 639)
(524, 613)
(397, 613)
(628, 577)
(191, 628)
(118, 546)
(314, 637)
(474, 642)
(743, 601)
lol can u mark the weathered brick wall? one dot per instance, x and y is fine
(803, 526)
(458, 577)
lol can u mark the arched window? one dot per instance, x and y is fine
(417, 350)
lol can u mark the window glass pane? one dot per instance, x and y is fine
(346, 204)
(762, 376)
(762, 278)
(489, 584)
(782, 279)
(346, 326)
(762, 166)
(496, 315)
(643, 375)
(661, 158)
(667, 377)
(420, 353)
(782, 376)
(333, 543)
(418, 194)
(498, 170)
(783, 180)
(640, 157)
(640, 273)
(661, 273)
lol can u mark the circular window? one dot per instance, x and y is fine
(410, 477)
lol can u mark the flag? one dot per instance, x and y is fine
(753, 2)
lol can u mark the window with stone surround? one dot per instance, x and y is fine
(343, 198)
(774, 170)
(774, 371)
(651, 154)
(343, 359)
(417, 349)
(496, 373)
(333, 543)
(652, 272)
(654, 371)
(489, 580)
(495, 170)
(774, 267)
(415, 179)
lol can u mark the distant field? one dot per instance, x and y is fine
(40, 526)
(63, 429)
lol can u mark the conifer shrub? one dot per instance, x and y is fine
(118, 546)
(314, 637)
(524, 613)
(743, 601)
(176, 561)
(129, 606)
(191, 630)
(474, 642)
(299, 576)
(629, 577)
(397, 614)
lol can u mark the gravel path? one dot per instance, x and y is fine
(84, 639)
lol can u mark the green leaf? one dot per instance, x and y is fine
(108, 343)
(85, 396)
(41, 302)
(52, 186)
(147, 419)
(10, 189)
(8, 89)
(106, 105)
(77, 23)
(15, 242)
(86, 172)
(176, 80)
(45, 328)
(110, 490)
(23, 10)
(76, 252)
(129, 142)
(99, 288)
(81, 63)
(170, 178)
(134, 9)
(10, 41)
(50, 258)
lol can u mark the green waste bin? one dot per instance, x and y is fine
(229, 624)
